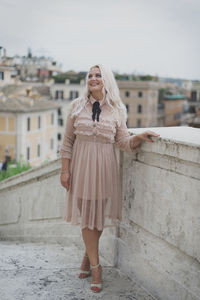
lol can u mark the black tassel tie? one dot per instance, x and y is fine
(96, 110)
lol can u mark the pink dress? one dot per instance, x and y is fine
(94, 199)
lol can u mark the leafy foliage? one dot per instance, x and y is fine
(75, 77)
(20, 167)
(71, 75)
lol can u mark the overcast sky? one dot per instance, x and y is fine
(158, 37)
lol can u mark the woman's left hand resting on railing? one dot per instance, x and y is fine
(145, 136)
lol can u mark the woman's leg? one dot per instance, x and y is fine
(91, 240)
(85, 266)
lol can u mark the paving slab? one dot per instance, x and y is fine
(34, 271)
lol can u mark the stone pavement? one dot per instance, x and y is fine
(34, 271)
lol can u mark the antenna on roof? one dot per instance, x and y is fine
(0, 51)
(29, 53)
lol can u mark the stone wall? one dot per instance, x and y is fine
(159, 237)
(32, 209)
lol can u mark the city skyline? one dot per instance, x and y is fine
(141, 37)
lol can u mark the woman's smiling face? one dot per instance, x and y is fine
(95, 82)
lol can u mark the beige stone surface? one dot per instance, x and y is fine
(50, 271)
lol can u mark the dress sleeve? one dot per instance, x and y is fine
(123, 137)
(68, 139)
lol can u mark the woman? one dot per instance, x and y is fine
(96, 122)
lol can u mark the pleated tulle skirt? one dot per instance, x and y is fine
(94, 198)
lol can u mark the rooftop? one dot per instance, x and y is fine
(21, 89)
(138, 84)
(25, 104)
(5, 67)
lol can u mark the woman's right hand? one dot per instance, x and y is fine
(65, 180)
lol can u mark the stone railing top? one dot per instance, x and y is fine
(181, 142)
(34, 173)
(181, 134)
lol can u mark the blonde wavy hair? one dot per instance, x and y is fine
(110, 90)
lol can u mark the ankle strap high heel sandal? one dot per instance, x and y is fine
(96, 287)
(83, 273)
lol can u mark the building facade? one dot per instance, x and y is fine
(195, 92)
(173, 108)
(29, 67)
(6, 75)
(141, 100)
(67, 90)
(194, 105)
(28, 130)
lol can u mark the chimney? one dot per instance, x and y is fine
(67, 81)
(4, 52)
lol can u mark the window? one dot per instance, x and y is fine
(127, 107)
(59, 136)
(60, 122)
(59, 95)
(52, 143)
(28, 153)
(39, 122)
(38, 150)
(177, 116)
(59, 112)
(28, 124)
(127, 94)
(1, 76)
(139, 94)
(73, 95)
(194, 96)
(138, 122)
(139, 109)
(52, 118)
